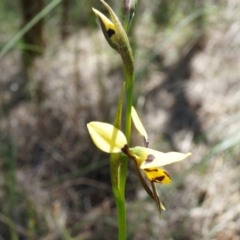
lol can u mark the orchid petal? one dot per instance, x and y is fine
(149, 158)
(138, 124)
(106, 137)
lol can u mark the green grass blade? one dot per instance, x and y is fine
(28, 26)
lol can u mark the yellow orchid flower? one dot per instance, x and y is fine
(112, 140)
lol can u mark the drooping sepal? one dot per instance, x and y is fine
(156, 198)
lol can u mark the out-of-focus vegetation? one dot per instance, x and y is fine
(54, 183)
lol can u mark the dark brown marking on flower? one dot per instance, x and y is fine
(146, 142)
(150, 170)
(159, 179)
(127, 152)
(167, 174)
(110, 32)
(150, 158)
(125, 148)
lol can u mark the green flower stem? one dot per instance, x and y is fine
(118, 169)
(122, 167)
(122, 231)
(121, 208)
(129, 79)
(120, 199)
(118, 40)
(118, 193)
(121, 212)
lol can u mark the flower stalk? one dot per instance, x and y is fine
(148, 160)
(109, 138)
(118, 40)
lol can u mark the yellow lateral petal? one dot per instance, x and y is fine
(149, 158)
(162, 159)
(138, 124)
(158, 175)
(106, 137)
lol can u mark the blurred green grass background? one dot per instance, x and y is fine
(55, 184)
